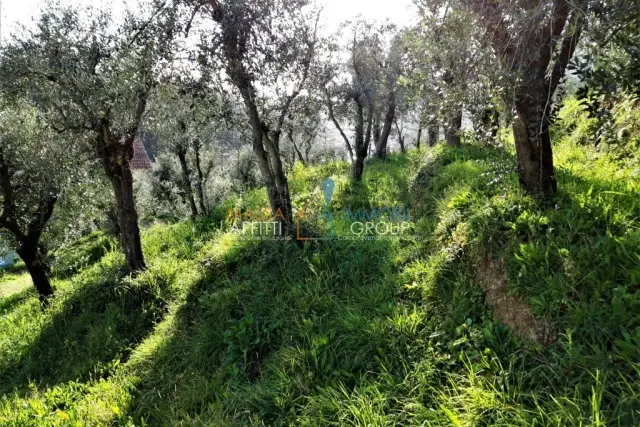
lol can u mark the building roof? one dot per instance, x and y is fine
(141, 160)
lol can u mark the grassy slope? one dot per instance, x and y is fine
(225, 332)
(14, 281)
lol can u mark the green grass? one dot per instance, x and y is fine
(14, 280)
(221, 331)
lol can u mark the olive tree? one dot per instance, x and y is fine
(37, 167)
(186, 120)
(302, 127)
(452, 66)
(391, 70)
(535, 41)
(92, 75)
(352, 82)
(265, 49)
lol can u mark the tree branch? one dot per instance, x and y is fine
(305, 74)
(42, 216)
(550, 34)
(567, 49)
(337, 125)
(491, 16)
(7, 217)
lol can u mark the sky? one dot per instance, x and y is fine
(399, 12)
(24, 11)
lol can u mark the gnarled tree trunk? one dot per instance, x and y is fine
(533, 146)
(403, 149)
(337, 125)
(299, 154)
(277, 185)
(369, 130)
(116, 158)
(29, 248)
(361, 148)
(267, 155)
(296, 150)
(31, 253)
(381, 144)
(546, 45)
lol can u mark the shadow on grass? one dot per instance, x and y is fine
(10, 303)
(275, 324)
(87, 331)
(82, 253)
(572, 259)
(278, 323)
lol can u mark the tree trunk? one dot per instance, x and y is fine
(541, 66)
(433, 132)
(495, 124)
(381, 144)
(296, 150)
(307, 152)
(29, 247)
(490, 122)
(358, 169)
(200, 181)
(403, 149)
(282, 208)
(337, 125)
(299, 154)
(186, 181)
(454, 124)
(533, 148)
(31, 254)
(533, 106)
(268, 158)
(361, 148)
(419, 137)
(367, 136)
(376, 128)
(116, 160)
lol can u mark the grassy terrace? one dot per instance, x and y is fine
(474, 323)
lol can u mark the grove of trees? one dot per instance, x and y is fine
(210, 80)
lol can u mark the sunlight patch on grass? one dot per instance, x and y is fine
(14, 283)
(226, 331)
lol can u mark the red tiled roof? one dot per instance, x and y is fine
(140, 159)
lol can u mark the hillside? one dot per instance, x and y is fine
(495, 310)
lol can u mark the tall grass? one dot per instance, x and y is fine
(223, 331)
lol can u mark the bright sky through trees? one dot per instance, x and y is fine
(400, 12)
